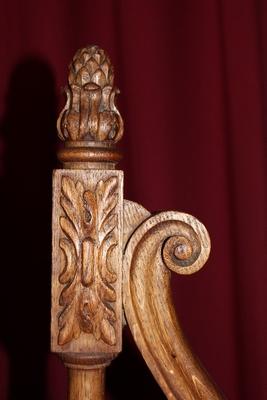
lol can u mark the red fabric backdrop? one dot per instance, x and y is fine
(192, 76)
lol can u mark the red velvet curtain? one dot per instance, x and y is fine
(192, 76)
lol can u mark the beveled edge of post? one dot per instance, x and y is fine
(90, 124)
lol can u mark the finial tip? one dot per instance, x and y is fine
(90, 113)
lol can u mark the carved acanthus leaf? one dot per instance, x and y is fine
(89, 226)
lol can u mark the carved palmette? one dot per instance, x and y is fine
(87, 214)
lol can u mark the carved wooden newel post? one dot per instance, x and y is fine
(104, 246)
(87, 227)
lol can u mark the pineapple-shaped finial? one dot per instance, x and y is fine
(90, 113)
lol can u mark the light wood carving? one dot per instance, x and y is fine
(163, 242)
(90, 112)
(87, 258)
(86, 315)
(103, 246)
(90, 227)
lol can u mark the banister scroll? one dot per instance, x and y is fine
(106, 248)
(158, 244)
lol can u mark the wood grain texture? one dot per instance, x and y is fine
(87, 259)
(163, 242)
(88, 240)
(86, 314)
(86, 384)
(88, 157)
(133, 215)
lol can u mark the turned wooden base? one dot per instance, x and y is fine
(86, 384)
(86, 375)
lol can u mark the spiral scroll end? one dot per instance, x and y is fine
(187, 252)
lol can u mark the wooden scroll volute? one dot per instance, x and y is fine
(104, 245)
(158, 244)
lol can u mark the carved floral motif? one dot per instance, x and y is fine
(90, 227)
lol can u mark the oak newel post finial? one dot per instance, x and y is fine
(104, 246)
(86, 318)
(90, 123)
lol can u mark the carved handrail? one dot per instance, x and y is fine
(104, 245)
